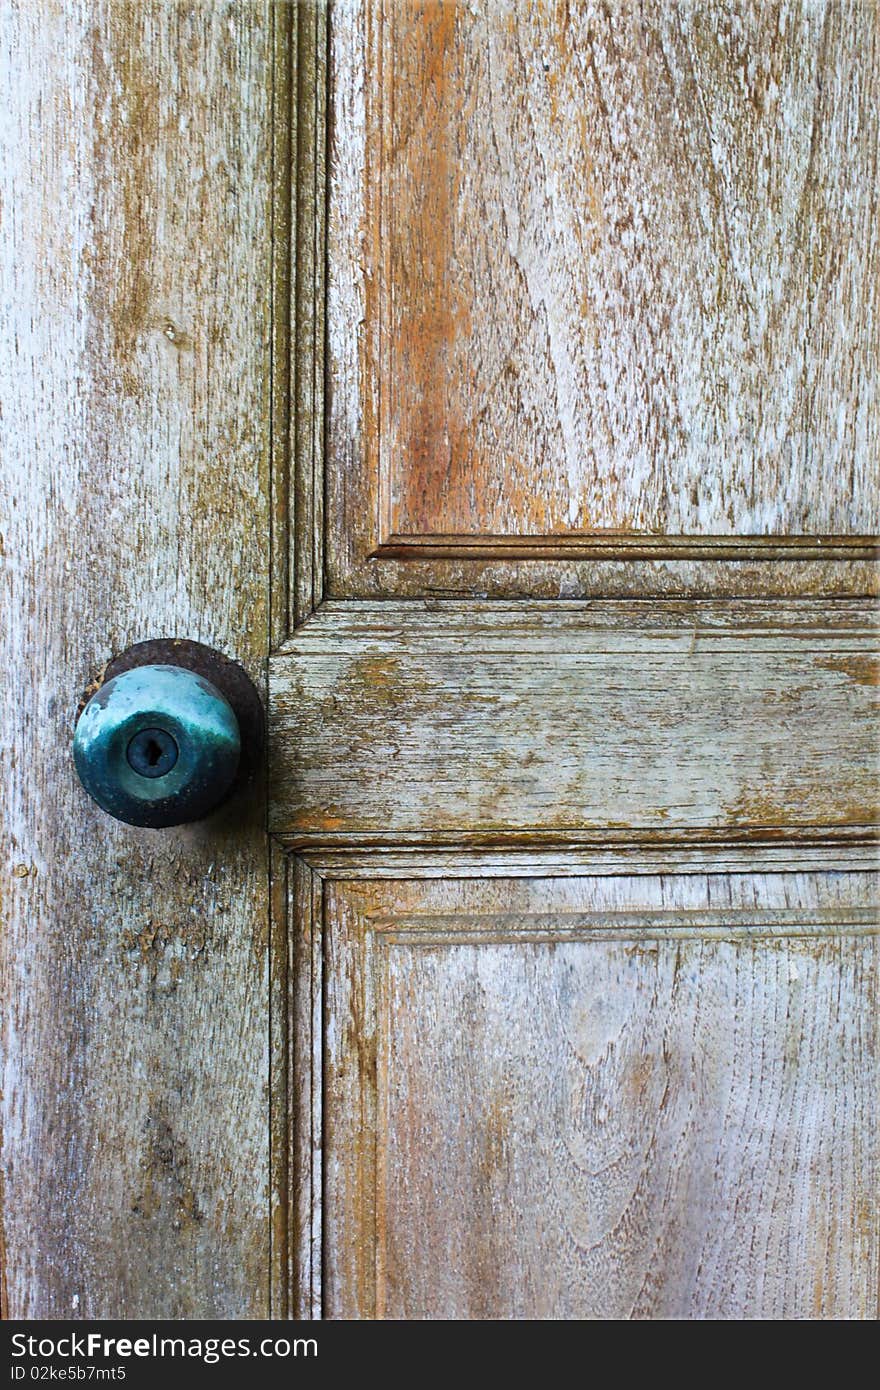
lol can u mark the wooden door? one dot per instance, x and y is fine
(508, 374)
(574, 750)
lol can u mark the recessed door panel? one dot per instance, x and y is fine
(601, 1098)
(607, 283)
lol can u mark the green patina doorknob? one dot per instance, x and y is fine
(157, 745)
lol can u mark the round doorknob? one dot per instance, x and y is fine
(157, 745)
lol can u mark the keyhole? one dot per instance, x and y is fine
(152, 753)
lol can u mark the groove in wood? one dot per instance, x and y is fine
(299, 136)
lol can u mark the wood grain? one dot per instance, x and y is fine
(136, 329)
(643, 294)
(507, 722)
(164, 405)
(580, 1098)
(602, 299)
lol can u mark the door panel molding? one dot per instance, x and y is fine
(415, 857)
(366, 553)
(296, 1038)
(300, 135)
(776, 936)
(710, 924)
(618, 547)
(332, 534)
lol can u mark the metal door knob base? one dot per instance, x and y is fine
(157, 745)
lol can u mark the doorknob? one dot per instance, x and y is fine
(158, 744)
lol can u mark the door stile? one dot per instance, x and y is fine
(299, 136)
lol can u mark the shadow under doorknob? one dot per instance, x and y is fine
(159, 743)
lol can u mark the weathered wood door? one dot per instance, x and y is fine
(509, 374)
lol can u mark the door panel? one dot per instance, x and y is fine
(600, 244)
(559, 721)
(601, 1097)
(603, 286)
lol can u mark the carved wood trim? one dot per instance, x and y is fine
(299, 160)
(365, 556)
(296, 1086)
(356, 945)
(632, 546)
(721, 925)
